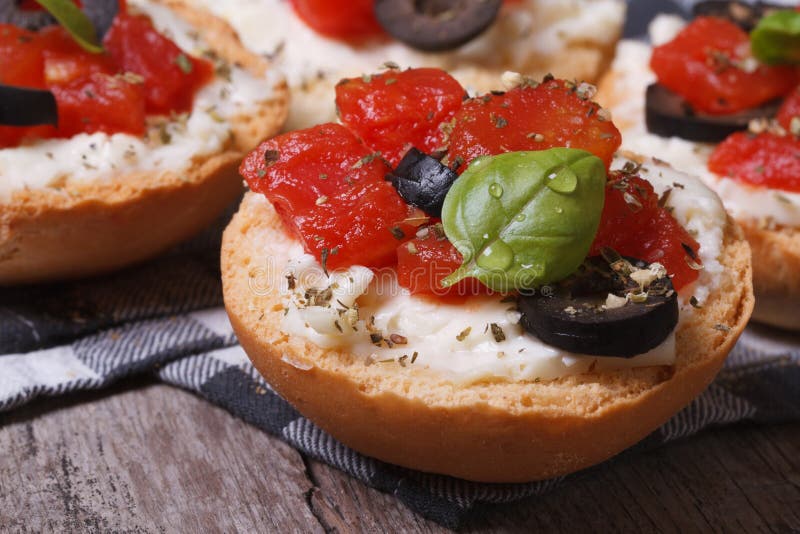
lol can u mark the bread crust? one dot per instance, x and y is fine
(776, 250)
(490, 432)
(92, 227)
(776, 273)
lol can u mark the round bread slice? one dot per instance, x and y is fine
(485, 431)
(91, 227)
(776, 249)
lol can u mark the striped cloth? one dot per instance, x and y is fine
(165, 318)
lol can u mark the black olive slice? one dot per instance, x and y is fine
(744, 14)
(422, 181)
(22, 106)
(435, 25)
(571, 315)
(100, 12)
(668, 114)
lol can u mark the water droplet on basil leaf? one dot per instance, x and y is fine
(562, 180)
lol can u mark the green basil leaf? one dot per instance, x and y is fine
(75, 22)
(523, 219)
(776, 38)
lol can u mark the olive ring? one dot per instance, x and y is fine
(436, 25)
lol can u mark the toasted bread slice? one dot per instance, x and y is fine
(497, 431)
(89, 227)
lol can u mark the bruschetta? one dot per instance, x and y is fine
(134, 164)
(478, 287)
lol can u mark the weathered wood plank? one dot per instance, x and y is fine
(340, 502)
(150, 459)
(145, 458)
(736, 479)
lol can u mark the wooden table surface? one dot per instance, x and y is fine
(145, 457)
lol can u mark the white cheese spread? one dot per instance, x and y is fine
(169, 146)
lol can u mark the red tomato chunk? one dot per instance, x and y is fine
(704, 65)
(634, 225)
(21, 60)
(171, 77)
(789, 110)
(425, 261)
(100, 103)
(329, 189)
(340, 19)
(549, 115)
(396, 110)
(765, 160)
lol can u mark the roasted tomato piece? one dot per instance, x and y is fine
(766, 160)
(426, 260)
(171, 76)
(789, 110)
(709, 64)
(100, 103)
(21, 61)
(329, 189)
(552, 114)
(69, 62)
(10, 136)
(633, 224)
(44, 58)
(341, 19)
(62, 68)
(396, 110)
